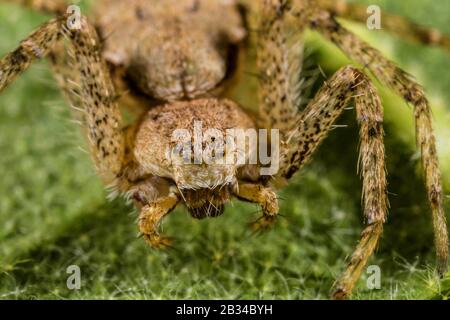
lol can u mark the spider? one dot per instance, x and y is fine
(174, 58)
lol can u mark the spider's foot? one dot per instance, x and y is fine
(158, 242)
(262, 224)
(339, 293)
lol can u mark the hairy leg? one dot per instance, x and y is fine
(102, 118)
(398, 25)
(314, 124)
(279, 61)
(61, 56)
(36, 46)
(47, 6)
(151, 216)
(404, 85)
(62, 59)
(263, 196)
(301, 134)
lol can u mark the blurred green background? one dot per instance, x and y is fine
(54, 212)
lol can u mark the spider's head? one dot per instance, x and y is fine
(189, 144)
(186, 52)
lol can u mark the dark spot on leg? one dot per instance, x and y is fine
(139, 13)
(292, 170)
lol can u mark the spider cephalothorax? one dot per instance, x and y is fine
(166, 143)
(168, 56)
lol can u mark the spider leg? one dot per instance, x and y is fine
(34, 47)
(46, 6)
(279, 81)
(62, 59)
(302, 133)
(151, 216)
(398, 25)
(313, 125)
(279, 60)
(404, 85)
(102, 118)
(263, 196)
